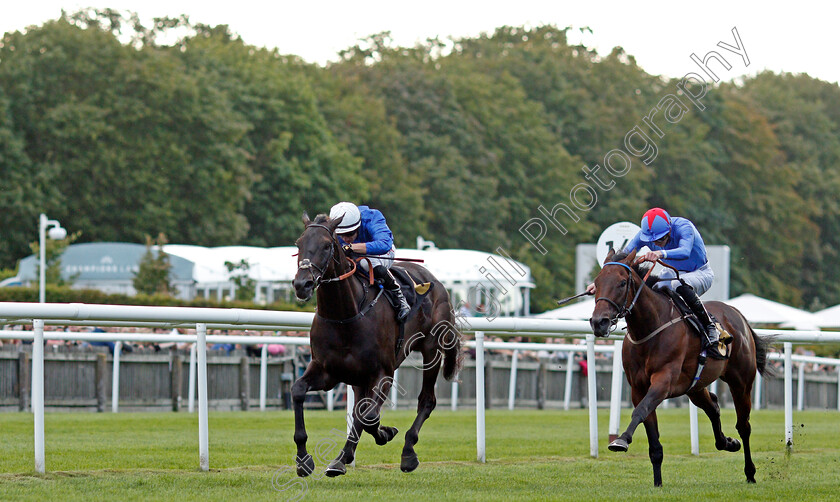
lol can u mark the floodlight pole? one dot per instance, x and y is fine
(43, 225)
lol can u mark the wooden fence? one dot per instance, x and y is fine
(80, 379)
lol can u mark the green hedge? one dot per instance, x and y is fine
(57, 294)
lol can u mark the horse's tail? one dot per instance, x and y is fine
(762, 346)
(453, 355)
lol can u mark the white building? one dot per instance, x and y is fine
(474, 277)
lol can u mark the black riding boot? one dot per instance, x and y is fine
(391, 285)
(696, 306)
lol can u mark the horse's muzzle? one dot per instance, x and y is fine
(303, 288)
(600, 326)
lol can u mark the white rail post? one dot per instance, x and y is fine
(351, 403)
(593, 397)
(567, 393)
(838, 387)
(394, 385)
(203, 436)
(115, 379)
(512, 390)
(38, 393)
(350, 398)
(191, 390)
(615, 392)
(757, 402)
(454, 392)
(479, 397)
(695, 431)
(263, 375)
(800, 388)
(331, 399)
(788, 395)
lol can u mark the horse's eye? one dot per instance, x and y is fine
(622, 283)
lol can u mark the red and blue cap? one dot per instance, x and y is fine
(656, 224)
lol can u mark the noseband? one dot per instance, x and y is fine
(306, 263)
(625, 309)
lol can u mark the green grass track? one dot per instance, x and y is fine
(531, 455)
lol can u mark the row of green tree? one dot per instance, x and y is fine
(216, 142)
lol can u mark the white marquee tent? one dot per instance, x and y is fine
(830, 317)
(757, 310)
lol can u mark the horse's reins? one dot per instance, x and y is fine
(306, 263)
(624, 310)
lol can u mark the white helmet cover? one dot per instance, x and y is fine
(352, 217)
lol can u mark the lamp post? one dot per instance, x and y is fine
(56, 232)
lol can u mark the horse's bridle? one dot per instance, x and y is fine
(306, 263)
(625, 309)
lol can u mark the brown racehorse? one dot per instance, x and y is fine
(665, 364)
(354, 339)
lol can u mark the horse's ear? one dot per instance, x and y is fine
(631, 257)
(306, 220)
(610, 254)
(334, 223)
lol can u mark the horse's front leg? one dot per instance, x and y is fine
(644, 402)
(313, 378)
(654, 447)
(365, 416)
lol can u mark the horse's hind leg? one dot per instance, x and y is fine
(425, 405)
(313, 379)
(743, 406)
(708, 402)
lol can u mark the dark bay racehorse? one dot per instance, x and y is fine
(354, 339)
(664, 365)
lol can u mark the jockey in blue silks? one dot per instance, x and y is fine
(677, 242)
(364, 231)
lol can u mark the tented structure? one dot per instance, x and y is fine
(830, 317)
(503, 285)
(581, 310)
(759, 310)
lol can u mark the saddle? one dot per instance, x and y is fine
(695, 327)
(414, 293)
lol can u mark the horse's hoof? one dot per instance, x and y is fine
(618, 445)
(305, 466)
(732, 444)
(386, 434)
(336, 468)
(409, 462)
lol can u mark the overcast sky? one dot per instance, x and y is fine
(798, 37)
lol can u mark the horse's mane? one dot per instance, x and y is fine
(638, 268)
(321, 218)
